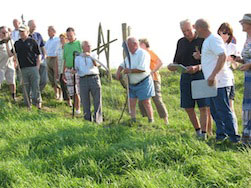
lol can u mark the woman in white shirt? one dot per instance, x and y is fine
(226, 33)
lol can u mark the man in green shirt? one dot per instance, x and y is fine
(69, 48)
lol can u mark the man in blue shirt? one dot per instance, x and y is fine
(39, 39)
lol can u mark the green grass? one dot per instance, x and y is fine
(48, 148)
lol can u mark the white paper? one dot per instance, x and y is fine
(201, 89)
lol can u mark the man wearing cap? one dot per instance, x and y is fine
(28, 55)
(215, 70)
(39, 39)
(7, 68)
(141, 84)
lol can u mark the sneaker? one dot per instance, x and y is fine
(78, 112)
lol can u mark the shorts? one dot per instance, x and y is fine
(70, 83)
(186, 100)
(7, 73)
(143, 90)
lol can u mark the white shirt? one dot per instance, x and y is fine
(51, 46)
(139, 60)
(84, 65)
(231, 50)
(212, 47)
(60, 54)
(5, 60)
(15, 35)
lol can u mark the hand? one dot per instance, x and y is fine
(73, 71)
(196, 55)
(127, 71)
(245, 67)
(192, 69)
(171, 68)
(87, 53)
(211, 80)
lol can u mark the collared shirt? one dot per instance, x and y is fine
(15, 35)
(84, 65)
(69, 48)
(212, 47)
(4, 57)
(40, 41)
(27, 52)
(185, 49)
(51, 46)
(139, 60)
(154, 61)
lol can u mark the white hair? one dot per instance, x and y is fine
(184, 22)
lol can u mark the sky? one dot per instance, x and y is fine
(156, 20)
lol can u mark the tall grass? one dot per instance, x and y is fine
(48, 148)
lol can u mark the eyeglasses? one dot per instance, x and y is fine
(225, 33)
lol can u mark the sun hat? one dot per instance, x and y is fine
(246, 19)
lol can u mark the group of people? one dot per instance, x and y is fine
(69, 63)
(211, 57)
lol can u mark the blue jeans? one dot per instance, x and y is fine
(223, 116)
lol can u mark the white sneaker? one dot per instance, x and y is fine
(78, 112)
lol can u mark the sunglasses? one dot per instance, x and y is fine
(225, 33)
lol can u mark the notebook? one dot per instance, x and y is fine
(201, 89)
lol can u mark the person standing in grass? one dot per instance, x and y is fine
(70, 47)
(155, 65)
(226, 33)
(28, 55)
(246, 67)
(141, 85)
(187, 54)
(90, 84)
(39, 39)
(7, 66)
(216, 72)
(51, 46)
(60, 58)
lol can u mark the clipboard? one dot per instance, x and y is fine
(201, 89)
(180, 68)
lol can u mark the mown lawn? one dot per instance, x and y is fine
(48, 148)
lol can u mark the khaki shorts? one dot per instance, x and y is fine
(7, 73)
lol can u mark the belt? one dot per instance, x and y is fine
(140, 81)
(89, 75)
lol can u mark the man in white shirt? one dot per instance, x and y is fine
(90, 83)
(7, 68)
(216, 72)
(51, 47)
(15, 33)
(141, 84)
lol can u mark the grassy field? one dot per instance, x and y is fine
(48, 148)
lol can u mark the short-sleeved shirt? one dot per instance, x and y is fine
(51, 46)
(139, 60)
(69, 48)
(39, 39)
(4, 57)
(212, 47)
(185, 49)
(27, 52)
(84, 65)
(154, 60)
(15, 35)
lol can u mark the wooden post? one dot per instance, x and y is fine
(108, 55)
(124, 35)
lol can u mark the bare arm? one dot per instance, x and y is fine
(118, 74)
(220, 63)
(157, 67)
